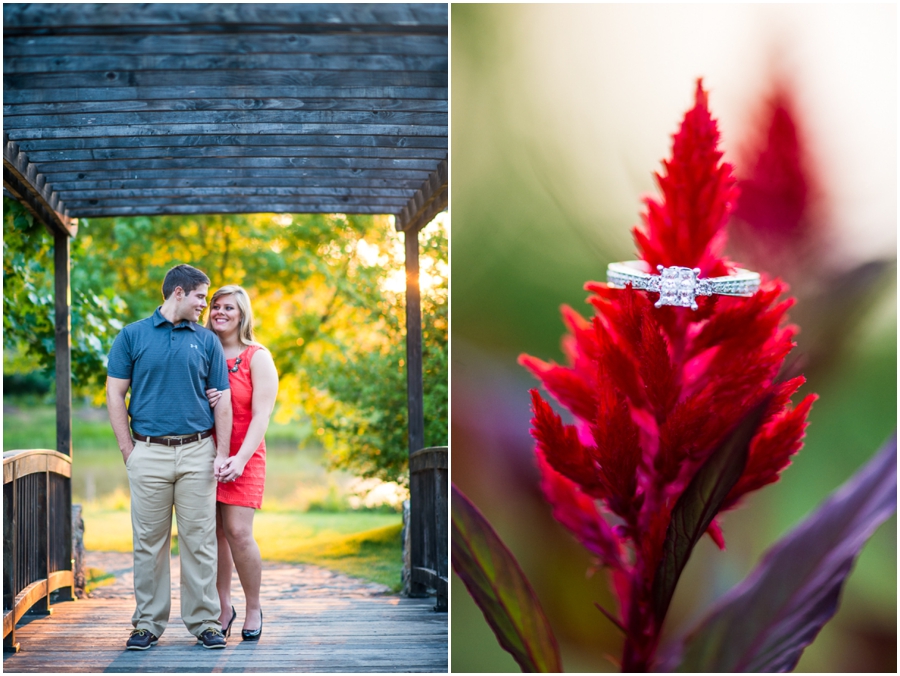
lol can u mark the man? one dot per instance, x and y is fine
(169, 360)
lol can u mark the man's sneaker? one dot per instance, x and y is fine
(141, 639)
(212, 638)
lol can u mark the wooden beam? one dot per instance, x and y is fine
(241, 191)
(238, 140)
(188, 180)
(226, 78)
(21, 179)
(298, 202)
(101, 60)
(388, 175)
(244, 207)
(279, 42)
(426, 18)
(429, 200)
(296, 161)
(244, 103)
(305, 151)
(290, 91)
(238, 128)
(363, 118)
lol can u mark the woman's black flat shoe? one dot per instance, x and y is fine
(227, 631)
(254, 634)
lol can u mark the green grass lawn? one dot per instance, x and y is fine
(35, 427)
(28, 424)
(365, 544)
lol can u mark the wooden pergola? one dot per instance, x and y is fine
(137, 109)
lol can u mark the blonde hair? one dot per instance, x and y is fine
(242, 300)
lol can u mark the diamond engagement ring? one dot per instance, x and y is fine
(680, 286)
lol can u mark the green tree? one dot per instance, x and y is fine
(322, 299)
(29, 308)
(366, 429)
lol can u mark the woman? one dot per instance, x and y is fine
(254, 385)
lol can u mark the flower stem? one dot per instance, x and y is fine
(643, 633)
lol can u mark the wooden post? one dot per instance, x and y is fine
(414, 394)
(78, 552)
(63, 344)
(63, 293)
(414, 389)
(10, 556)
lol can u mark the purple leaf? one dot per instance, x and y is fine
(699, 504)
(764, 624)
(499, 587)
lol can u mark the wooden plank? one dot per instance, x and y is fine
(314, 621)
(237, 140)
(283, 181)
(388, 204)
(255, 172)
(132, 154)
(22, 179)
(295, 162)
(263, 207)
(429, 200)
(185, 17)
(270, 103)
(101, 61)
(177, 93)
(342, 648)
(227, 78)
(267, 191)
(233, 43)
(230, 117)
(221, 129)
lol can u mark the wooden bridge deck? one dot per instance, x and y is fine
(315, 621)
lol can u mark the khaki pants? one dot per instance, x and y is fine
(161, 477)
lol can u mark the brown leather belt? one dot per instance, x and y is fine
(173, 440)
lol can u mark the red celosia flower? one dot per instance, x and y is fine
(655, 391)
(779, 219)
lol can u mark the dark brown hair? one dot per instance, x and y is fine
(186, 277)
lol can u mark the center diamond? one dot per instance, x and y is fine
(678, 286)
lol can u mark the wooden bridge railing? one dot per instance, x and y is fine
(428, 523)
(37, 534)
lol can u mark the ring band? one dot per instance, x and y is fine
(680, 286)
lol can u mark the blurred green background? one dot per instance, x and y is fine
(560, 114)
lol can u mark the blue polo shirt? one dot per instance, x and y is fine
(170, 368)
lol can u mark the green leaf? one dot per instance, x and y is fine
(764, 624)
(499, 587)
(699, 504)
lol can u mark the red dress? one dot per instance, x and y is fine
(247, 489)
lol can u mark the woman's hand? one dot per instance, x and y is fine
(213, 395)
(230, 470)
